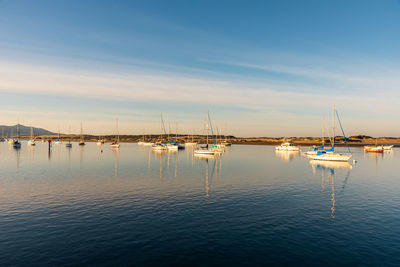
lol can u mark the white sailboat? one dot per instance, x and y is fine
(331, 155)
(175, 145)
(375, 148)
(116, 144)
(192, 143)
(58, 141)
(141, 142)
(11, 139)
(206, 150)
(160, 146)
(100, 142)
(31, 141)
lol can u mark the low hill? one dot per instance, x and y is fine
(23, 130)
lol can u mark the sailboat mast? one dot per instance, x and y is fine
(81, 131)
(323, 132)
(333, 125)
(161, 127)
(176, 133)
(208, 128)
(116, 125)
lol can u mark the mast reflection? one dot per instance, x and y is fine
(116, 160)
(209, 174)
(329, 167)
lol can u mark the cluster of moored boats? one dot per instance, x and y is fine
(209, 148)
(328, 153)
(213, 147)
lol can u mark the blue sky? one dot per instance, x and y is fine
(262, 68)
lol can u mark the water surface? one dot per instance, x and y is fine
(251, 206)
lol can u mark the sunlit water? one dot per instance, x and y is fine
(251, 206)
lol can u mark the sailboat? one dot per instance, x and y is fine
(69, 145)
(192, 143)
(116, 144)
(100, 141)
(314, 150)
(331, 155)
(206, 150)
(2, 135)
(82, 141)
(32, 139)
(160, 146)
(141, 142)
(16, 143)
(11, 140)
(375, 148)
(175, 145)
(58, 138)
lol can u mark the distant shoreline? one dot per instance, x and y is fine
(354, 141)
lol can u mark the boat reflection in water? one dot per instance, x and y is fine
(116, 160)
(213, 164)
(165, 157)
(287, 155)
(327, 170)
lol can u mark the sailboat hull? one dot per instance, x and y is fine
(205, 152)
(331, 157)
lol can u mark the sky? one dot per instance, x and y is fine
(261, 68)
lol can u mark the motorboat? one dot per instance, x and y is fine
(287, 146)
(388, 147)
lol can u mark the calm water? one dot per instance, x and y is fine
(252, 206)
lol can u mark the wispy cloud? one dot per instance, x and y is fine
(259, 100)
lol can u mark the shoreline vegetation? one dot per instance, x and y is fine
(359, 140)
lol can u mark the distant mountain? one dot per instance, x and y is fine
(23, 130)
